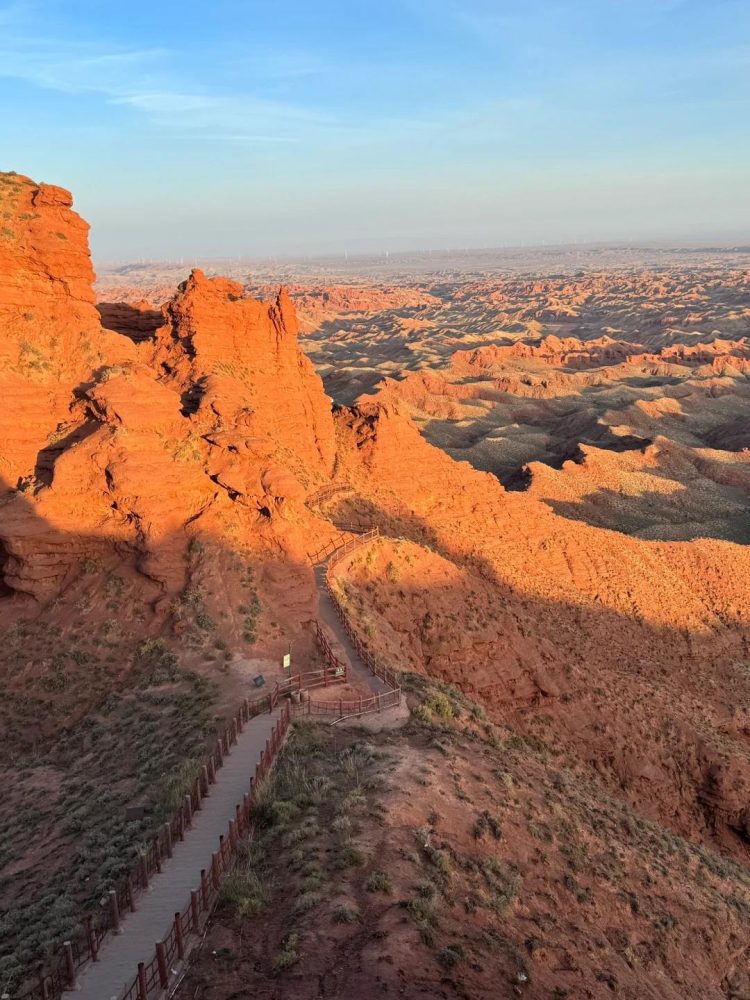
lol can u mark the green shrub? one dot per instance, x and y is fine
(451, 955)
(378, 882)
(288, 954)
(351, 856)
(422, 714)
(441, 705)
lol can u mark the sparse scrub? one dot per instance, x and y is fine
(451, 955)
(344, 915)
(245, 891)
(378, 882)
(288, 954)
(484, 822)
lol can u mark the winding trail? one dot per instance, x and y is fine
(119, 955)
(327, 614)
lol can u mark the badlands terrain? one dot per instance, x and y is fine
(555, 447)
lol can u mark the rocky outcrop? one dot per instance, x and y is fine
(51, 337)
(130, 448)
(239, 368)
(555, 351)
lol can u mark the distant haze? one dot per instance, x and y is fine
(244, 129)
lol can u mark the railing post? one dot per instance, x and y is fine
(210, 772)
(114, 911)
(157, 855)
(204, 889)
(238, 819)
(144, 871)
(131, 894)
(214, 871)
(161, 962)
(142, 990)
(70, 966)
(195, 909)
(179, 941)
(91, 939)
(168, 839)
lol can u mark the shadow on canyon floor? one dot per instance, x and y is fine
(136, 324)
(646, 729)
(661, 715)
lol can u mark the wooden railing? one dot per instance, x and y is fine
(389, 677)
(351, 708)
(340, 546)
(122, 898)
(334, 552)
(385, 674)
(326, 492)
(156, 976)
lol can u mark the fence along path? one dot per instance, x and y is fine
(95, 928)
(381, 680)
(121, 953)
(173, 869)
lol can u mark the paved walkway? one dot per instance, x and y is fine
(327, 613)
(170, 891)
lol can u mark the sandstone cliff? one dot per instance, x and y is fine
(51, 337)
(135, 448)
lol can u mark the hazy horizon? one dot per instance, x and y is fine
(722, 243)
(411, 125)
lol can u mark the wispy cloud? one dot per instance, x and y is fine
(144, 81)
(141, 79)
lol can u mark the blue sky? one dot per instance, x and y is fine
(244, 128)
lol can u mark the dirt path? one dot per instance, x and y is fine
(327, 614)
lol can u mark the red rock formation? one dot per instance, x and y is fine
(237, 363)
(51, 338)
(581, 609)
(569, 352)
(124, 454)
(318, 305)
(220, 426)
